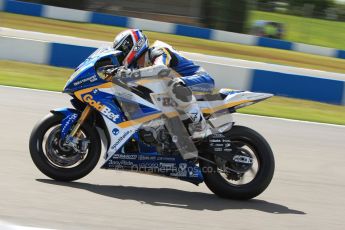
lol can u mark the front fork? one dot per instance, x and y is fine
(76, 129)
(74, 137)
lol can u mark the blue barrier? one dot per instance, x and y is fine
(290, 85)
(108, 19)
(70, 56)
(274, 43)
(18, 7)
(26, 8)
(283, 84)
(341, 54)
(192, 31)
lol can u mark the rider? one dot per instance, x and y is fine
(143, 60)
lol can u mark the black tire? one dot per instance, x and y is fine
(220, 186)
(58, 173)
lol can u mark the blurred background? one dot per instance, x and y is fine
(295, 20)
(294, 49)
(303, 38)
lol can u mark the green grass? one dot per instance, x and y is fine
(298, 110)
(33, 76)
(307, 30)
(53, 78)
(107, 33)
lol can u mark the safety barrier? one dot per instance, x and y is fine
(53, 12)
(278, 83)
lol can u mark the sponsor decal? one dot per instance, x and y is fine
(167, 166)
(125, 95)
(89, 79)
(143, 158)
(185, 171)
(192, 173)
(139, 44)
(164, 158)
(152, 165)
(167, 101)
(179, 174)
(182, 166)
(126, 163)
(115, 131)
(120, 139)
(105, 110)
(218, 135)
(125, 156)
(146, 158)
(70, 121)
(215, 140)
(194, 116)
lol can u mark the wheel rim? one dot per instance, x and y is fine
(58, 155)
(236, 178)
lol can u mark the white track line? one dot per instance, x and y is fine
(241, 114)
(7, 226)
(291, 120)
(29, 89)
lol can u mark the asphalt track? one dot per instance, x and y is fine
(307, 191)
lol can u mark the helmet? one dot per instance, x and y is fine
(132, 43)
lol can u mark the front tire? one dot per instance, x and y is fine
(38, 151)
(225, 188)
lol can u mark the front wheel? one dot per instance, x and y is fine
(229, 180)
(58, 161)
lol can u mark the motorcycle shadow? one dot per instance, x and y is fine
(176, 198)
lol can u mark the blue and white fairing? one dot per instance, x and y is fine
(126, 108)
(85, 75)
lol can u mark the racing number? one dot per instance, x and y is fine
(167, 101)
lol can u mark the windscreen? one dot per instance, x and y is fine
(97, 54)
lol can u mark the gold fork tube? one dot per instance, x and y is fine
(81, 120)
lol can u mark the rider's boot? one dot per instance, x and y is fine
(195, 122)
(186, 102)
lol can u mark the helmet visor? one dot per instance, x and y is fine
(124, 45)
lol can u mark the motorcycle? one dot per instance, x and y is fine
(138, 126)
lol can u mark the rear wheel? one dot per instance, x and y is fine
(60, 162)
(235, 181)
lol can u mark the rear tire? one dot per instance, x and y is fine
(63, 173)
(221, 186)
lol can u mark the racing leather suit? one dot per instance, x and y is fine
(192, 78)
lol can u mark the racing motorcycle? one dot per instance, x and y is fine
(136, 122)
